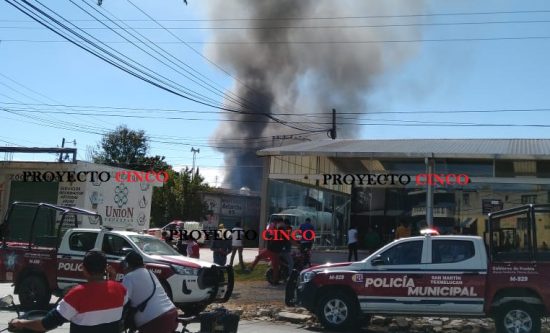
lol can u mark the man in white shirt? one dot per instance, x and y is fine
(160, 314)
(352, 242)
(237, 234)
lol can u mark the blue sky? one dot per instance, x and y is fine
(437, 75)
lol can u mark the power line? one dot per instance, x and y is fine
(357, 26)
(429, 40)
(153, 117)
(347, 17)
(406, 122)
(208, 59)
(99, 108)
(162, 53)
(141, 75)
(32, 91)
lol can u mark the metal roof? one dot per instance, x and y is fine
(420, 148)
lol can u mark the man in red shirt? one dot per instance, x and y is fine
(92, 307)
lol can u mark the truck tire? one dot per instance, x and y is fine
(34, 293)
(338, 310)
(517, 317)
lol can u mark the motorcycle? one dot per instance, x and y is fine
(7, 303)
(302, 260)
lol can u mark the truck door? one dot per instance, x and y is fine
(456, 277)
(390, 275)
(114, 247)
(70, 257)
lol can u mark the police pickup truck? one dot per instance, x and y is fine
(504, 275)
(49, 261)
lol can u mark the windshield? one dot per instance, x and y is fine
(152, 245)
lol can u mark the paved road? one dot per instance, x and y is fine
(244, 326)
(317, 256)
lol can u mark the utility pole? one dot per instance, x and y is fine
(332, 132)
(61, 154)
(194, 151)
(63, 146)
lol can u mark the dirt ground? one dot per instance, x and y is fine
(255, 299)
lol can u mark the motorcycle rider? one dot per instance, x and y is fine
(94, 307)
(272, 251)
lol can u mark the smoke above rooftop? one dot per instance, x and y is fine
(281, 68)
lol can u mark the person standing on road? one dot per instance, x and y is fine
(352, 242)
(220, 246)
(286, 252)
(92, 307)
(306, 245)
(160, 314)
(237, 244)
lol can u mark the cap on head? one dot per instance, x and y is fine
(133, 259)
(95, 262)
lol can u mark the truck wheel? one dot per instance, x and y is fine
(34, 293)
(517, 318)
(338, 311)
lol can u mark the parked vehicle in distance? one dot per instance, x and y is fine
(504, 278)
(175, 227)
(50, 262)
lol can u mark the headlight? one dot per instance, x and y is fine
(185, 270)
(307, 276)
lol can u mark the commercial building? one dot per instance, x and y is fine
(330, 179)
(228, 207)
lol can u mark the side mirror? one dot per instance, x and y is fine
(377, 261)
(6, 301)
(126, 250)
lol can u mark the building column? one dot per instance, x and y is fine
(429, 192)
(264, 203)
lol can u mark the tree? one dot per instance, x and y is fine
(126, 148)
(179, 198)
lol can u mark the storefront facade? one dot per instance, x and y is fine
(329, 179)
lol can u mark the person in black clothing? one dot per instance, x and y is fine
(221, 248)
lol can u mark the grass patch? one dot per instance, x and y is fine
(258, 274)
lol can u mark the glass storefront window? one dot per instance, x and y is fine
(328, 211)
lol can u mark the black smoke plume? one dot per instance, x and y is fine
(279, 68)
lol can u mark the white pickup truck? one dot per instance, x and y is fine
(506, 279)
(46, 265)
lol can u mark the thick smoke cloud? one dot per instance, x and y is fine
(288, 76)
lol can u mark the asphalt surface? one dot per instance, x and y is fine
(244, 326)
(317, 256)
